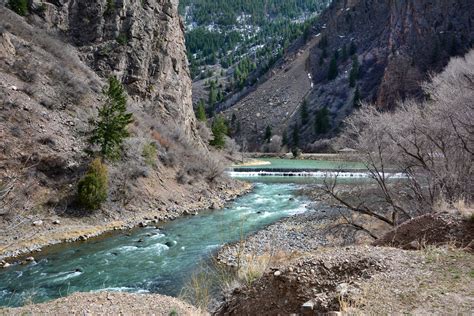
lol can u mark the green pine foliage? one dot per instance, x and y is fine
(304, 113)
(150, 153)
(333, 71)
(92, 189)
(284, 140)
(322, 122)
(353, 48)
(111, 126)
(20, 7)
(201, 111)
(296, 135)
(354, 74)
(219, 131)
(268, 134)
(223, 32)
(356, 100)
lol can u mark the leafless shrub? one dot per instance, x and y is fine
(231, 147)
(168, 158)
(204, 132)
(275, 144)
(321, 146)
(430, 142)
(214, 168)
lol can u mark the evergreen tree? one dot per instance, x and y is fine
(111, 127)
(284, 140)
(268, 134)
(354, 75)
(219, 130)
(321, 122)
(304, 113)
(212, 94)
(20, 7)
(296, 135)
(356, 99)
(344, 53)
(353, 48)
(332, 72)
(201, 112)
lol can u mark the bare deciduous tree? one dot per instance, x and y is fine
(430, 142)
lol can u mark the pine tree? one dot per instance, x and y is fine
(321, 122)
(356, 99)
(344, 53)
(111, 127)
(304, 113)
(354, 75)
(219, 130)
(268, 134)
(201, 112)
(20, 7)
(353, 48)
(284, 140)
(332, 72)
(296, 135)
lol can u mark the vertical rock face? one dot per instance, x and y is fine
(141, 42)
(399, 42)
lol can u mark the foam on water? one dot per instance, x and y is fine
(313, 174)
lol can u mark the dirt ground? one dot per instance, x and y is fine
(108, 304)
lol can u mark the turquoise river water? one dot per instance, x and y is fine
(155, 260)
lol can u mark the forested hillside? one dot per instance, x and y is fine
(230, 43)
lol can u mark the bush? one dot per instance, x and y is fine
(149, 153)
(93, 187)
(19, 6)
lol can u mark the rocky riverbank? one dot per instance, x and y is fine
(299, 233)
(107, 303)
(42, 230)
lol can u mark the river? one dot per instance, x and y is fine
(154, 259)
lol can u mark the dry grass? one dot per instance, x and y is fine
(439, 282)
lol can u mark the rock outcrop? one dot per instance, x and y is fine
(398, 44)
(141, 42)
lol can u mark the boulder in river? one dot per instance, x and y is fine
(170, 243)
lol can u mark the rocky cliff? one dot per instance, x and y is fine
(54, 63)
(397, 45)
(141, 42)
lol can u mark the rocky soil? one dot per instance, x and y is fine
(362, 279)
(300, 233)
(108, 304)
(276, 101)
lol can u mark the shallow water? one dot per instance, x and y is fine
(148, 260)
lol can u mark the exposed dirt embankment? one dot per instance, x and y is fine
(108, 304)
(362, 279)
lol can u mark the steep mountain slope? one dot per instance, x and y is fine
(54, 64)
(234, 42)
(397, 44)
